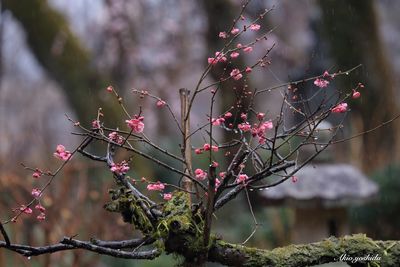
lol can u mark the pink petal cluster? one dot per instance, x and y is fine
(115, 137)
(248, 49)
(217, 122)
(242, 178)
(41, 217)
(167, 196)
(245, 127)
(294, 179)
(223, 35)
(120, 168)
(234, 54)
(36, 192)
(243, 116)
(248, 70)
(96, 124)
(222, 175)
(321, 83)
(236, 75)
(136, 124)
(25, 209)
(227, 115)
(61, 153)
(341, 108)
(356, 95)
(254, 27)
(110, 89)
(235, 31)
(40, 208)
(200, 174)
(160, 103)
(36, 174)
(219, 57)
(156, 187)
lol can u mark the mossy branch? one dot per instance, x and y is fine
(329, 250)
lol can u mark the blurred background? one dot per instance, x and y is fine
(57, 57)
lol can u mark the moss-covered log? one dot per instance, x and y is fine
(62, 55)
(352, 249)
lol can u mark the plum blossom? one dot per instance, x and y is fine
(61, 153)
(160, 103)
(120, 168)
(234, 54)
(219, 57)
(321, 83)
(239, 45)
(96, 124)
(198, 151)
(340, 108)
(214, 148)
(206, 147)
(243, 116)
(136, 124)
(25, 209)
(294, 179)
(235, 31)
(40, 208)
(217, 122)
(260, 116)
(222, 175)
(242, 178)
(110, 89)
(248, 49)
(223, 35)
(115, 137)
(167, 196)
(36, 174)
(235, 74)
(254, 27)
(227, 115)
(41, 217)
(200, 174)
(36, 192)
(156, 186)
(215, 164)
(245, 127)
(356, 95)
(248, 70)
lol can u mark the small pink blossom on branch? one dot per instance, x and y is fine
(36, 192)
(36, 174)
(120, 168)
(248, 49)
(41, 217)
(242, 178)
(254, 27)
(167, 196)
(341, 108)
(235, 31)
(200, 174)
(321, 83)
(223, 35)
(156, 187)
(40, 208)
(61, 153)
(236, 75)
(136, 124)
(25, 209)
(160, 103)
(234, 54)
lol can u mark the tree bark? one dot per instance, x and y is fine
(328, 250)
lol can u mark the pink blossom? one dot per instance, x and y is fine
(248, 70)
(234, 54)
(36, 192)
(110, 89)
(156, 187)
(136, 124)
(115, 137)
(222, 175)
(294, 179)
(321, 83)
(220, 57)
(239, 45)
(242, 178)
(356, 95)
(61, 153)
(248, 49)
(37, 174)
(120, 168)
(340, 108)
(223, 35)
(214, 148)
(328, 76)
(40, 208)
(167, 196)
(217, 183)
(235, 74)
(96, 124)
(217, 122)
(25, 209)
(235, 31)
(198, 151)
(245, 127)
(200, 174)
(160, 103)
(227, 115)
(212, 61)
(243, 116)
(215, 164)
(261, 140)
(41, 217)
(260, 116)
(206, 147)
(254, 27)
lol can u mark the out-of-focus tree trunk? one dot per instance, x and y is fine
(351, 29)
(62, 55)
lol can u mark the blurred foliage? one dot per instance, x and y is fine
(381, 218)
